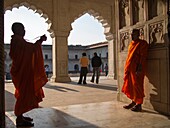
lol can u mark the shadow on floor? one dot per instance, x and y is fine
(53, 118)
(97, 86)
(59, 88)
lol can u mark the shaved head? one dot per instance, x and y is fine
(18, 29)
(137, 31)
(135, 34)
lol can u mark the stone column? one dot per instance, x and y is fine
(60, 58)
(112, 44)
(2, 90)
(111, 59)
(53, 78)
(61, 28)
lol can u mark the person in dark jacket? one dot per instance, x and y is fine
(96, 63)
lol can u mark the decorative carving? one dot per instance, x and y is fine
(156, 34)
(124, 13)
(124, 41)
(155, 8)
(138, 10)
(160, 7)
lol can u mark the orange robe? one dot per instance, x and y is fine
(133, 81)
(28, 74)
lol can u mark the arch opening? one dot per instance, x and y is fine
(101, 20)
(107, 36)
(36, 22)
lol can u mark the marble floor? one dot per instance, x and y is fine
(84, 106)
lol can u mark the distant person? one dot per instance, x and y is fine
(106, 69)
(28, 74)
(96, 63)
(47, 70)
(84, 62)
(134, 73)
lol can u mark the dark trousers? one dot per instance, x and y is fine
(96, 71)
(106, 72)
(83, 73)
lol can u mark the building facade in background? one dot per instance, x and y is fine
(74, 54)
(47, 55)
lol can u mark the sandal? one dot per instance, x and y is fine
(130, 105)
(137, 108)
(28, 118)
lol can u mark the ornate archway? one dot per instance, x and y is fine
(35, 10)
(108, 34)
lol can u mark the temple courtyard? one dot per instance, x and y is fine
(69, 105)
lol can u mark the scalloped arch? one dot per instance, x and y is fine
(104, 22)
(35, 10)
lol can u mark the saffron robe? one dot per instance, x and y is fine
(28, 73)
(133, 80)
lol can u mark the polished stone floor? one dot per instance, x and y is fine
(84, 106)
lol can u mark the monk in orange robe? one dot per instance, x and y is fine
(134, 72)
(28, 73)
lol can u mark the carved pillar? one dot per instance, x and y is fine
(60, 58)
(2, 94)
